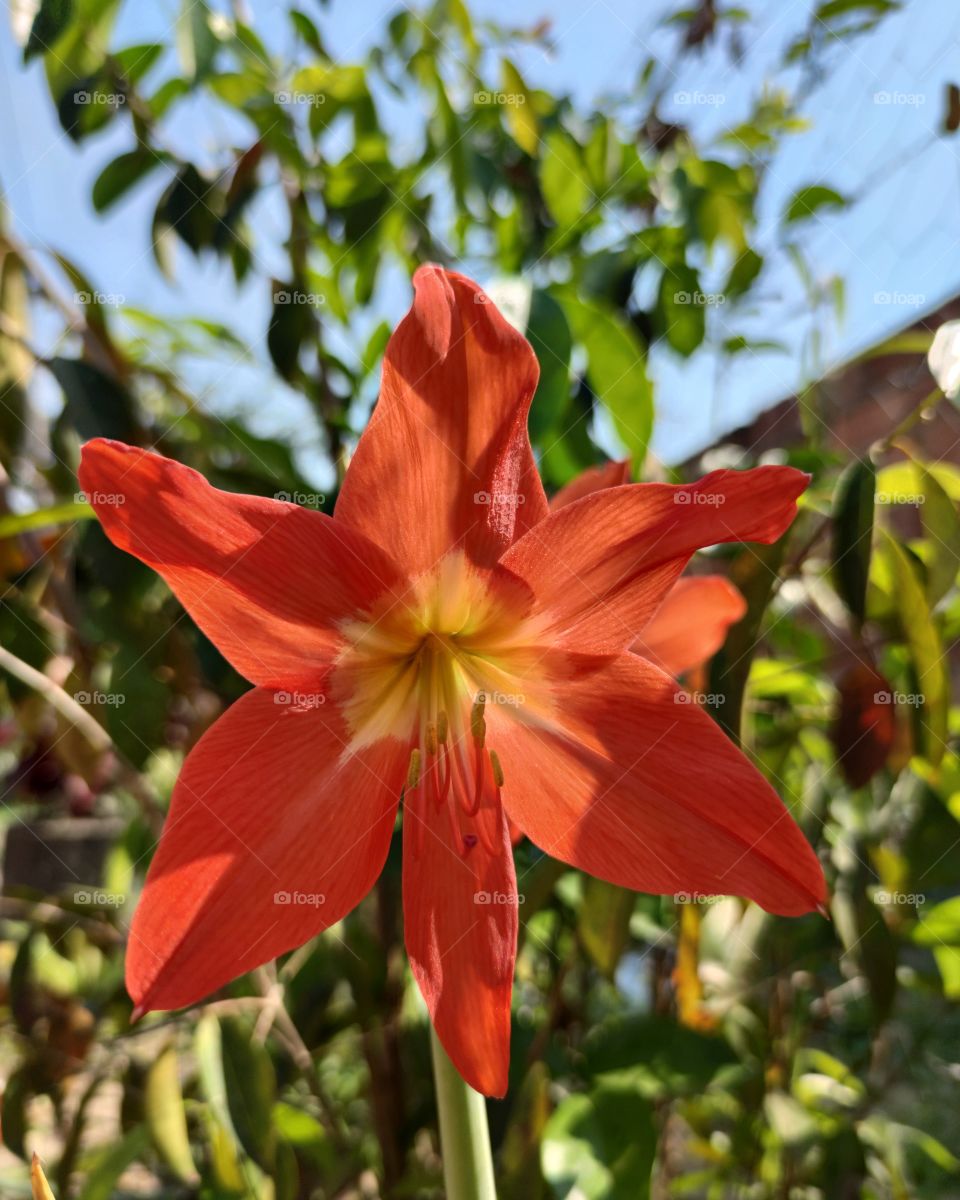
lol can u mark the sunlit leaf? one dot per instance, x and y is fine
(166, 1118)
(518, 109)
(941, 524)
(563, 179)
(617, 370)
(926, 649)
(811, 200)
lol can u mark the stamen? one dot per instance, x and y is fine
(431, 738)
(470, 805)
(413, 771)
(454, 820)
(478, 726)
(445, 780)
(489, 844)
(497, 769)
(413, 819)
(442, 726)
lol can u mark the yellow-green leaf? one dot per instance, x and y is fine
(604, 922)
(926, 649)
(12, 524)
(518, 109)
(942, 527)
(166, 1118)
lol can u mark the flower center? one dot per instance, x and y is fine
(423, 667)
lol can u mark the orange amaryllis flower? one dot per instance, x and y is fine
(445, 637)
(691, 623)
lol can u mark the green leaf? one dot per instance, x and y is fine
(900, 483)
(868, 941)
(196, 42)
(331, 86)
(96, 404)
(291, 325)
(251, 1091)
(941, 524)
(743, 272)
(926, 649)
(518, 109)
(563, 179)
(603, 922)
(307, 32)
(948, 964)
(107, 1165)
(208, 1044)
(133, 62)
(657, 1055)
(617, 370)
(600, 1146)
(789, 1120)
(186, 208)
(51, 20)
(119, 176)
(12, 524)
(166, 1118)
(226, 1165)
(17, 1093)
(853, 508)
(549, 334)
(682, 309)
(810, 200)
(304, 1132)
(913, 341)
(861, 8)
(78, 54)
(939, 925)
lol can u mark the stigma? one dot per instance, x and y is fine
(458, 781)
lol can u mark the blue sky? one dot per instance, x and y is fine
(874, 123)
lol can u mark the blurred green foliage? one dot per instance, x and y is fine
(662, 1046)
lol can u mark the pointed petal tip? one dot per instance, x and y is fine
(100, 459)
(98, 445)
(137, 1014)
(824, 911)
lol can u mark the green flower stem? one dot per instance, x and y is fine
(464, 1137)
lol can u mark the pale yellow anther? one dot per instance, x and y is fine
(431, 738)
(413, 772)
(478, 726)
(497, 769)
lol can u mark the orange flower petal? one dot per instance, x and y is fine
(460, 926)
(691, 624)
(445, 462)
(593, 479)
(635, 784)
(266, 581)
(601, 567)
(275, 832)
